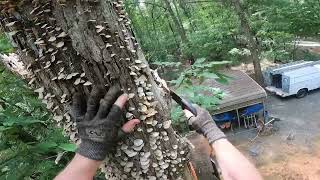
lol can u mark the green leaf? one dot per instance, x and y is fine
(200, 61)
(23, 106)
(172, 64)
(223, 79)
(46, 146)
(178, 81)
(68, 147)
(3, 128)
(209, 75)
(14, 121)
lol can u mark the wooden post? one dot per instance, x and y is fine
(264, 111)
(238, 117)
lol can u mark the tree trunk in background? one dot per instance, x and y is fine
(155, 31)
(69, 45)
(178, 44)
(178, 24)
(180, 30)
(177, 13)
(187, 13)
(251, 41)
(144, 19)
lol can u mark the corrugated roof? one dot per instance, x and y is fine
(240, 90)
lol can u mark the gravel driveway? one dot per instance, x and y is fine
(300, 117)
(295, 143)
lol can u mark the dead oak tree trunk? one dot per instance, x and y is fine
(68, 45)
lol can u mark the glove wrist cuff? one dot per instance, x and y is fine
(92, 150)
(213, 133)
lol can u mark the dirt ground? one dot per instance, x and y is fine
(292, 151)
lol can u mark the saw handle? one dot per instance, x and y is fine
(188, 106)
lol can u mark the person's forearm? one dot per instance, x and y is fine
(80, 168)
(232, 163)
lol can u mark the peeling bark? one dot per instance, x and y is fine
(13, 63)
(70, 46)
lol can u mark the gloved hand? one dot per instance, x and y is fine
(99, 120)
(204, 124)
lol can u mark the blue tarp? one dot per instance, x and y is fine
(252, 109)
(230, 116)
(224, 117)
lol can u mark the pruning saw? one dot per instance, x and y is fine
(185, 104)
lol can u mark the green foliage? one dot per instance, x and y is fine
(278, 23)
(168, 64)
(213, 29)
(200, 70)
(215, 35)
(190, 85)
(5, 46)
(29, 140)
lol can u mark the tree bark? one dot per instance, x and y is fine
(253, 45)
(71, 46)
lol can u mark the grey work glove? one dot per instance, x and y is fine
(98, 122)
(204, 124)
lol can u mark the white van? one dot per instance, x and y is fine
(293, 79)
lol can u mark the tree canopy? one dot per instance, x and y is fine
(213, 31)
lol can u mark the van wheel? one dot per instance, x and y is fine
(302, 93)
